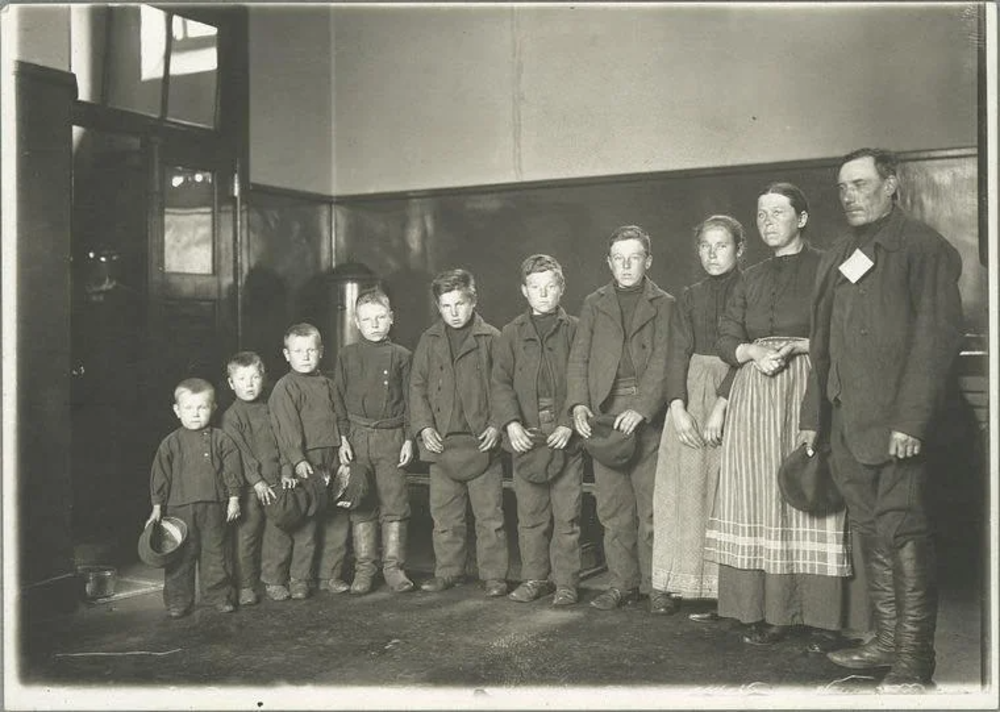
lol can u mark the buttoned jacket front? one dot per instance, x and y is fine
(435, 378)
(600, 341)
(903, 329)
(517, 365)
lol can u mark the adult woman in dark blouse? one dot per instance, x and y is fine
(778, 566)
(687, 467)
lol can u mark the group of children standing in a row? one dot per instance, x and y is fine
(537, 387)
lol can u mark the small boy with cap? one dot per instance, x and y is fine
(450, 413)
(371, 380)
(529, 400)
(305, 427)
(248, 423)
(196, 477)
(617, 370)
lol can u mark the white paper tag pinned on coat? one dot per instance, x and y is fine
(856, 266)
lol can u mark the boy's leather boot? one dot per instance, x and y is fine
(365, 541)
(394, 556)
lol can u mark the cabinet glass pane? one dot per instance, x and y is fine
(188, 221)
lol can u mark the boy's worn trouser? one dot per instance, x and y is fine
(380, 448)
(288, 555)
(292, 556)
(249, 535)
(205, 549)
(548, 525)
(449, 500)
(625, 506)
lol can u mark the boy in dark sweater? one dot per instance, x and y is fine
(248, 423)
(195, 473)
(305, 426)
(370, 390)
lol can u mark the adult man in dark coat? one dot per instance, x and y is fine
(886, 327)
(617, 366)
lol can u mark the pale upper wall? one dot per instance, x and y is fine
(423, 97)
(291, 97)
(462, 96)
(39, 34)
(363, 99)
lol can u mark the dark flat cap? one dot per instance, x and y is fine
(610, 447)
(461, 460)
(806, 483)
(541, 463)
(290, 507)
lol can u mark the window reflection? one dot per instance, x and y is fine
(193, 64)
(122, 55)
(188, 221)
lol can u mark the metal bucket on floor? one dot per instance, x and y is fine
(98, 581)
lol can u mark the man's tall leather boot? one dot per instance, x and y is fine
(916, 606)
(394, 556)
(365, 541)
(880, 651)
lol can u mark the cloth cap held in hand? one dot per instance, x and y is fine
(541, 463)
(807, 484)
(610, 447)
(461, 460)
(160, 542)
(289, 508)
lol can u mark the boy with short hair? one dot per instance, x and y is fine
(450, 396)
(196, 470)
(305, 427)
(529, 396)
(248, 423)
(371, 381)
(617, 368)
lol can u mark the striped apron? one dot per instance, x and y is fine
(751, 526)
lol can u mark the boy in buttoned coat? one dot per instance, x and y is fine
(450, 395)
(618, 366)
(529, 391)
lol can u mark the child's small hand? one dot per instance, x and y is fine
(559, 438)
(346, 453)
(405, 453)
(304, 469)
(265, 494)
(233, 510)
(154, 516)
(432, 440)
(519, 438)
(488, 439)
(288, 482)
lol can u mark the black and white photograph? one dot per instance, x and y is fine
(501, 355)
